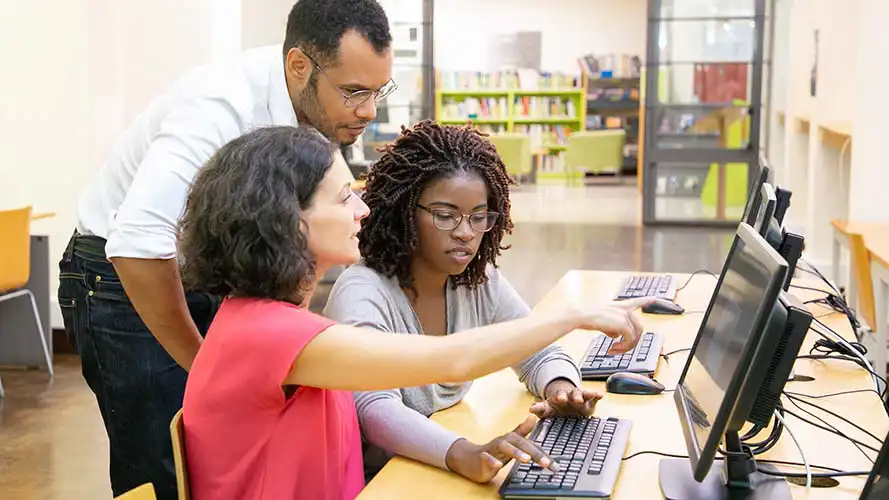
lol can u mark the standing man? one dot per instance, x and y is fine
(125, 310)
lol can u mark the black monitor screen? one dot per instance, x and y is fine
(877, 486)
(753, 197)
(726, 340)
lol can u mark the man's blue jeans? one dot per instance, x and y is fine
(137, 385)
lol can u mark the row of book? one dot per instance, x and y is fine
(495, 108)
(610, 65)
(506, 79)
(544, 135)
(550, 106)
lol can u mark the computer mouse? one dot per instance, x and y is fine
(632, 383)
(661, 306)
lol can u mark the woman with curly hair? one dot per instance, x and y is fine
(439, 208)
(268, 410)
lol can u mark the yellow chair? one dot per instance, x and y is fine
(515, 151)
(594, 151)
(15, 266)
(144, 492)
(177, 432)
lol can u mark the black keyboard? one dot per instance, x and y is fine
(643, 359)
(648, 286)
(589, 453)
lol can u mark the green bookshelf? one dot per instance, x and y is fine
(507, 110)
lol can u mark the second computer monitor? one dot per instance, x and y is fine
(727, 338)
(766, 211)
(753, 197)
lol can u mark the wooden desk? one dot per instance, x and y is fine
(878, 250)
(497, 403)
(846, 234)
(42, 215)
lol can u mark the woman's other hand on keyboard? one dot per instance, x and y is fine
(480, 463)
(618, 320)
(563, 398)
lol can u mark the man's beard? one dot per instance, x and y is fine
(311, 113)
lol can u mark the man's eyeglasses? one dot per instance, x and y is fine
(353, 99)
(446, 219)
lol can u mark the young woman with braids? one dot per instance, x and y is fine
(268, 410)
(439, 208)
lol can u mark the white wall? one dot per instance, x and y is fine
(570, 28)
(73, 81)
(826, 184)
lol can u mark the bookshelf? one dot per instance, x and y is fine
(613, 83)
(545, 106)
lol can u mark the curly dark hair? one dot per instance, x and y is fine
(319, 25)
(420, 155)
(241, 233)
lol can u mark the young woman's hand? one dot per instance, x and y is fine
(617, 320)
(480, 463)
(563, 398)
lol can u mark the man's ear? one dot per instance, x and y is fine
(298, 68)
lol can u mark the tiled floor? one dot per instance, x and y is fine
(53, 445)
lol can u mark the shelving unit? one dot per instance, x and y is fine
(548, 115)
(614, 103)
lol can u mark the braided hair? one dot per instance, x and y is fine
(424, 153)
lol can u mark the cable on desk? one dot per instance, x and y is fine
(834, 394)
(837, 299)
(832, 431)
(852, 351)
(667, 355)
(795, 399)
(760, 447)
(832, 472)
(798, 447)
(699, 271)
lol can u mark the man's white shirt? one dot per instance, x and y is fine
(139, 196)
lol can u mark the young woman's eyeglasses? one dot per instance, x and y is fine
(446, 219)
(353, 99)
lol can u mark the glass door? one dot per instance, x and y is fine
(703, 94)
(410, 22)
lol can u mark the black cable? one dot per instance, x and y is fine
(801, 287)
(813, 474)
(667, 355)
(835, 472)
(699, 271)
(844, 419)
(758, 448)
(838, 299)
(859, 347)
(832, 431)
(822, 396)
(836, 431)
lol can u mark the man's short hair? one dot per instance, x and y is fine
(318, 26)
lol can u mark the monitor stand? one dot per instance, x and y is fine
(735, 477)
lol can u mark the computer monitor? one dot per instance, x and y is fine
(782, 196)
(761, 177)
(766, 212)
(737, 366)
(877, 485)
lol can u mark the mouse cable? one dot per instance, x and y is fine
(798, 447)
(699, 271)
(795, 400)
(833, 472)
(666, 356)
